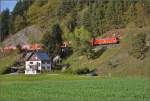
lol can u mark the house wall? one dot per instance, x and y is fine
(29, 69)
(43, 65)
(30, 72)
(46, 66)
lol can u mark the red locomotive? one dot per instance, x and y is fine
(102, 41)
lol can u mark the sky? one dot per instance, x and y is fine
(10, 4)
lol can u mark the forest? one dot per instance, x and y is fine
(96, 16)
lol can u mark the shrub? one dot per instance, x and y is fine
(138, 46)
(19, 50)
(82, 71)
(68, 71)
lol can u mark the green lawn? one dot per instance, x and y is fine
(73, 88)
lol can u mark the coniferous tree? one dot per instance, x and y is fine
(19, 23)
(71, 24)
(138, 46)
(52, 40)
(140, 15)
(86, 20)
(118, 14)
(66, 7)
(20, 9)
(4, 21)
(130, 12)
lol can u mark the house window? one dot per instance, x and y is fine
(43, 68)
(31, 67)
(38, 64)
(44, 62)
(31, 62)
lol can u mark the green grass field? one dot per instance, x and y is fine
(73, 88)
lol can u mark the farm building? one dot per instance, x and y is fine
(36, 62)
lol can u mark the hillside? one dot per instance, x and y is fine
(116, 60)
(31, 34)
(52, 22)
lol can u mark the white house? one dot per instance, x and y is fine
(36, 62)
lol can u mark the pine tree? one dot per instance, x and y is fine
(71, 24)
(130, 13)
(20, 9)
(140, 15)
(52, 40)
(86, 19)
(66, 7)
(109, 15)
(19, 23)
(4, 27)
(119, 14)
(138, 46)
(33, 13)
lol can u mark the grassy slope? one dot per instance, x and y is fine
(7, 61)
(126, 64)
(72, 88)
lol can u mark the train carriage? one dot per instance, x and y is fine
(102, 41)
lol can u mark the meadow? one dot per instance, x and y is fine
(48, 87)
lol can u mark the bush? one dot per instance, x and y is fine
(69, 71)
(112, 65)
(82, 71)
(138, 46)
(19, 50)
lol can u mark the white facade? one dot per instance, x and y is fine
(30, 72)
(32, 67)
